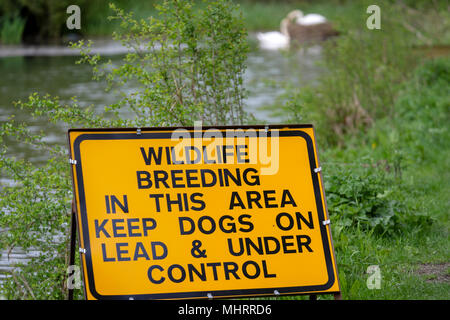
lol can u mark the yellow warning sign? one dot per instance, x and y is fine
(196, 212)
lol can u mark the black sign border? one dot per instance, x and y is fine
(131, 134)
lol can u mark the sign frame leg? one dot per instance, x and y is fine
(73, 235)
(337, 296)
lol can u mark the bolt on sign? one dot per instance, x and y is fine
(201, 212)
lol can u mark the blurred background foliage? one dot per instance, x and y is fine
(43, 21)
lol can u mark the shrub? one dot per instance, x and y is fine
(368, 199)
(188, 65)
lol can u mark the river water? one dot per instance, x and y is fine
(52, 70)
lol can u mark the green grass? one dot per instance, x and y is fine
(398, 259)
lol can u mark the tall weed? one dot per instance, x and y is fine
(11, 29)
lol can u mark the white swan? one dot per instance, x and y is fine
(310, 28)
(308, 20)
(274, 40)
(297, 27)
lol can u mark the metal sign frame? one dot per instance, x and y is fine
(79, 212)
